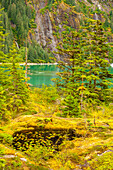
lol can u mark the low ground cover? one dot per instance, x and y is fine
(40, 139)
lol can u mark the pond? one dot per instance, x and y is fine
(42, 74)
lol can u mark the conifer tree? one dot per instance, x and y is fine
(84, 66)
(13, 90)
(17, 90)
(2, 75)
(72, 70)
(97, 62)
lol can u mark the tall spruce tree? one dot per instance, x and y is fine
(17, 91)
(2, 74)
(72, 70)
(97, 62)
(14, 92)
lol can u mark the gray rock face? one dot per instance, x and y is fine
(49, 22)
(44, 32)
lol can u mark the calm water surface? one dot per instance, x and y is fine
(42, 74)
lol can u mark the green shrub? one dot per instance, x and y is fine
(2, 163)
(6, 138)
(103, 161)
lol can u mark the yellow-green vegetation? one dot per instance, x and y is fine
(71, 126)
(39, 139)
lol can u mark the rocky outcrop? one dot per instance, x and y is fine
(50, 20)
(44, 31)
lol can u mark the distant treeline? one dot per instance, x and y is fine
(18, 22)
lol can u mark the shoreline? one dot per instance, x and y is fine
(30, 64)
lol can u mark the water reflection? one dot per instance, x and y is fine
(42, 74)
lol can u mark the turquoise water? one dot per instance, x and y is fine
(42, 74)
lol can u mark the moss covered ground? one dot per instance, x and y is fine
(39, 139)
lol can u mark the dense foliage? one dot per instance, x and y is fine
(19, 16)
(84, 72)
(13, 90)
(77, 143)
(18, 22)
(37, 54)
(32, 133)
(89, 11)
(72, 68)
(97, 62)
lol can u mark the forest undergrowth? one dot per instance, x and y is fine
(40, 138)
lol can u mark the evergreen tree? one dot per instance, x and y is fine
(84, 72)
(7, 30)
(2, 75)
(97, 62)
(72, 70)
(12, 12)
(17, 90)
(13, 90)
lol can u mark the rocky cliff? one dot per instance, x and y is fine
(43, 21)
(51, 16)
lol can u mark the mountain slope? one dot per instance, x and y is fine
(18, 22)
(40, 21)
(50, 17)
